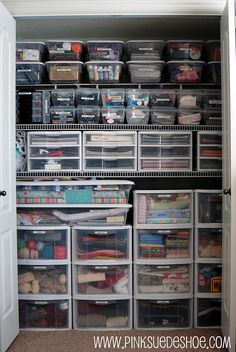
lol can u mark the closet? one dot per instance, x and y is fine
(130, 27)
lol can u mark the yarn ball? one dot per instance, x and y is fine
(40, 245)
(31, 244)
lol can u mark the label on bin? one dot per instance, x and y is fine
(103, 49)
(87, 98)
(145, 49)
(63, 69)
(88, 115)
(151, 69)
(214, 102)
(30, 55)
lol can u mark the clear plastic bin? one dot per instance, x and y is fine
(88, 114)
(64, 71)
(189, 117)
(112, 115)
(184, 49)
(63, 97)
(65, 50)
(145, 49)
(55, 164)
(31, 51)
(88, 96)
(113, 97)
(30, 73)
(145, 71)
(104, 71)
(208, 312)
(137, 116)
(185, 71)
(212, 117)
(45, 315)
(110, 164)
(212, 99)
(165, 151)
(210, 152)
(209, 278)
(209, 243)
(163, 164)
(213, 72)
(209, 207)
(162, 116)
(44, 280)
(168, 139)
(213, 50)
(211, 164)
(102, 279)
(105, 49)
(207, 138)
(163, 98)
(189, 99)
(137, 97)
(65, 114)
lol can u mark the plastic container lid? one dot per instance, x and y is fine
(30, 42)
(146, 62)
(64, 62)
(184, 41)
(65, 41)
(104, 41)
(30, 63)
(102, 62)
(182, 62)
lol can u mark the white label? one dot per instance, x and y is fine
(63, 69)
(103, 49)
(63, 99)
(214, 102)
(24, 70)
(87, 115)
(145, 49)
(87, 98)
(30, 55)
(66, 46)
(163, 99)
(146, 69)
(62, 113)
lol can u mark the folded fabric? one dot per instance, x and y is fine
(117, 322)
(92, 320)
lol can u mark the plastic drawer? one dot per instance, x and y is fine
(31, 51)
(184, 49)
(110, 139)
(102, 280)
(137, 97)
(65, 50)
(88, 114)
(165, 138)
(208, 278)
(102, 314)
(43, 244)
(88, 96)
(145, 49)
(210, 151)
(163, 116)
(208, 207)
(101, 244)
(163, 313)
(111, 153)
(212, 117)
(210, 138)
(53, 152)
(145, 71)
(163, 98)
(212, 99)
(208, 244)
(189, 99)
(44, 279)
(30, 73)
(64, 71)
(63, 97)
(213, 50)
(207, 312)
(105, 49)
(165, 152)
(114, 164)
(163, 208)
(104, 71)
(163, 279)
(210, 164)
(113, 97)
(64, 114)
(189, 117)
(165, 165)
(112, 115)
(213, 72)
(45, 314)
(163, 245)
(185, 71)
(137, 116)
(54, 164)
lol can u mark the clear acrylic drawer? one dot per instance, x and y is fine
(208, 243)
(207, 312)
(208, 278)
(208, 207)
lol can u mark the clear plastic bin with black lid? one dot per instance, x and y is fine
(145, 71)
(88, 114)
(31, 51)
(185, 71)
(30, 73)
(184, 49)
(105, 49)
(104, 71)
(71, 50)
(64, 71)
(145, 49)
(63, 97)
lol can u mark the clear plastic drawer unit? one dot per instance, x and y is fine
(207, 312)
(208, 208)
(208, 244)
(209, 151)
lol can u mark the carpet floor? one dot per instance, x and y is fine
(79, 341)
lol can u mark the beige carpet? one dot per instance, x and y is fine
(77, 341)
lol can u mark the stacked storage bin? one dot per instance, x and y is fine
(208, 258)
(163, 273)
(213, 66)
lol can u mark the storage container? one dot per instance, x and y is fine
(102, 244)
(189, 117)
(189, 99)
(208, 278)
(137, 116)
(162, 313)
(213, 50)
(113, 115)
(167, 244)
(63, 97)
(104, 71)
(163, 116)
(212, 99)
(31, 51)
(184, 49)
(30, 73)
(185, 71)
(207, 312)
(145, 71)
(213, 72)
(209, 150)
(163, 279)
(103, 314)
(88, 96)
(62, 114)
(137, 97)
(40, 244)
(163, 208)
(208, 243)
(145, 49)
(44, 279)
(212, 117)
(45, 314)
(208, 205)
(102, 280)
(113, 97)
(88, 114)
(65, 50)
(105, 49)
(64, 71)
(163, 98)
